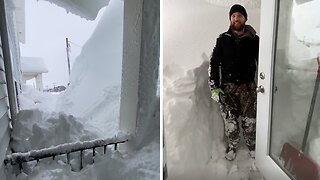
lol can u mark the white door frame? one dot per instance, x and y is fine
(264, 162)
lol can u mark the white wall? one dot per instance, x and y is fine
(190, 29)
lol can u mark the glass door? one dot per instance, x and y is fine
(288, 117)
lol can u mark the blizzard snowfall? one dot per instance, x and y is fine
(87, 110)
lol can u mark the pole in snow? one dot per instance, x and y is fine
(68, 59)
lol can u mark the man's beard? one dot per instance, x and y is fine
(237, 26)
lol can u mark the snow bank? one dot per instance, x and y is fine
(30, 98)
(194, 130)
(83, 8)
(190, 119)
(143, 165)
(94, 90)
(35, 129)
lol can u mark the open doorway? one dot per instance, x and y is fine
(193, 126)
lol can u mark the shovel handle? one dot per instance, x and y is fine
(313, 100)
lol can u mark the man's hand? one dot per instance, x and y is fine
(215, 94)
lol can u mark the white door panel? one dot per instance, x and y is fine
(288, 70)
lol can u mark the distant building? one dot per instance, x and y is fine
(56, 89)
(32, 68)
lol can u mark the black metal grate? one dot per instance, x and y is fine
(64, 149)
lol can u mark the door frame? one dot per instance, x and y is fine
(268, 21)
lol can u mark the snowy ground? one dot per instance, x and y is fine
(40, 126)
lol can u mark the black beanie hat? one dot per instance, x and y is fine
(238, 8)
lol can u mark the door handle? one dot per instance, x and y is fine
(260, 89)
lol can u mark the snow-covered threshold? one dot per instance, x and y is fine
(89, 109)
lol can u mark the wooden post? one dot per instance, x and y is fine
(104, 149)
(68, 59)
(68, 158)
(93, 154)
(81, 152)
(20, 167)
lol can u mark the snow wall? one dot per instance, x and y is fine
(192, 120)
(94, 89)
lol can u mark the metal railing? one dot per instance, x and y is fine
(67, 148)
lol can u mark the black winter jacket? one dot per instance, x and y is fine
(235, 57)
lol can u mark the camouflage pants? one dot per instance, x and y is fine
(239, 103)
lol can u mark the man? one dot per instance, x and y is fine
(232, 74)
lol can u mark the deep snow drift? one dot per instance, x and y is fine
(94, 88)
(194, 130)
(90, 103)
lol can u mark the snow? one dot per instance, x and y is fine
(229, 3)
(88, 110)
(47, 27)
(64, 149)
(33, 65)
(97, 72)
(306, 26)
(194, 130)
(295, 81)
(82, 8)
(143, 165)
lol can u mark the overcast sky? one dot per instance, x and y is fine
(47, 27)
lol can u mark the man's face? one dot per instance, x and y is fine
(237, 21)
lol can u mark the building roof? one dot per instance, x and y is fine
(33, 65)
